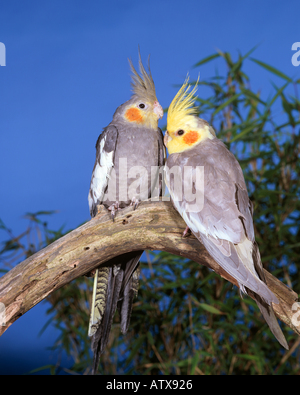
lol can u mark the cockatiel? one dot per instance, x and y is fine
(222, 217)
(125, 152)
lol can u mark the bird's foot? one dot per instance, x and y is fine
(186, 232)
(134, 202)
(113, 208)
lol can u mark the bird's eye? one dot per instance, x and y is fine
(180, 132)
(142, 105)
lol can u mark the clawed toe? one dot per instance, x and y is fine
(186, 232)
(113, 208)
(134, 202)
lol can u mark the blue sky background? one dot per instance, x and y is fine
(66, 73)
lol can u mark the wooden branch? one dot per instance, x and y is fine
(153, 226)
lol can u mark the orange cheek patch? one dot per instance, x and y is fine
(134, 115)
(190, 137)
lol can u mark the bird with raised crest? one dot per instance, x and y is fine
(217, 208)
(127, 151)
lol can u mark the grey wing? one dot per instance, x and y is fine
(242, 261)
(224, 224)
(161, 161)
(246, 208)
(105, 153)
(225, 227)
(161, 149)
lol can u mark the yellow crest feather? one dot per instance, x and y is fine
(182, 105)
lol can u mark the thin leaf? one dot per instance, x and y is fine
(195, 361)
(226, 103)
(272, 69)
(252, 95)
(207, 307)
(207, 59)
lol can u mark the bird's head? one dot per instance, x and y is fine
(143, 108)
(184, 129)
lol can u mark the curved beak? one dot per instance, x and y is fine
(157, 109)
(167, 138)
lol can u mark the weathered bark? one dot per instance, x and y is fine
(153, 226)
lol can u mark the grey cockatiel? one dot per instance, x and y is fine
(126, 151)
(215, 205)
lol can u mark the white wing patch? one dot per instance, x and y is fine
(244, 251)
(192, 221)
(100, 175)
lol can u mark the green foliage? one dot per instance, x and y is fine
(186, 319)
(36, 236)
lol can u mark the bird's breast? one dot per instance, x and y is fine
(135, 167)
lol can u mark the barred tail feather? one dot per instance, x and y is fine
(99, 299)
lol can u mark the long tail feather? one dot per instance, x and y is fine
(130, 291)
(114, 285)
(269, 315)
(266, 309)
(99, 298)
(101, 337)
(235, 267)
